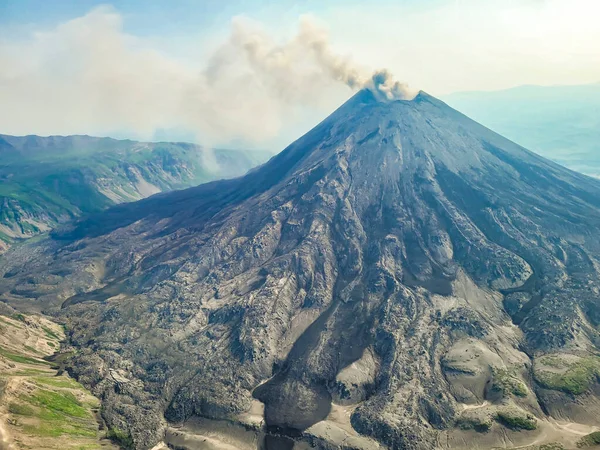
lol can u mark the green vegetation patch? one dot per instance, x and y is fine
(474, 423)
(548, 446)
(28, 372)
(51, 334)
(590, 440)
(63, 402)
(120, 437)
(517, 422)
(59, 413)
(576, 378)
(507, 383)
(21, 409)
(59, 382)
(20, 358)
(551, 446)
(5, 238)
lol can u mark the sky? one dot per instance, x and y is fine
(257, 73)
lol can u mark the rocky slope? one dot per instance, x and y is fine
(398, 277)
(45, 181)
(559, 122)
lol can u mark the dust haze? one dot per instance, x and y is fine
(87, 76)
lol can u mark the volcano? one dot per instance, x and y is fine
(436, 282)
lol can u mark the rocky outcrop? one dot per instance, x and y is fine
(399, 258)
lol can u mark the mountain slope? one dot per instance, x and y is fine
(399, 262)
(559, 122)
(45, 181)
(41, 407)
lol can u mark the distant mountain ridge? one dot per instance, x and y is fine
(45, 181)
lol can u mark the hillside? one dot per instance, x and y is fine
(558, 122)
(45, 181)
(41, 407)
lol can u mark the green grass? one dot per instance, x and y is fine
(21, 409)
(51, 334)
(472, 423)
(590, 440)
(20, 358)
(20, 317)
(550, 446)
(60, 413)
(59, 382)
(120, 437)
(507, 383)
(575, 380)
(51, 344)
(51, 410)
(28, 372)
(27, 410)
(5, 237)
(516, 422)
(62, 402)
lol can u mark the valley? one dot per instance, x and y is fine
(47, 181)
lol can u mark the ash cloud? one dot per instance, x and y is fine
(89, 76)
(386, 88)
(341, 69)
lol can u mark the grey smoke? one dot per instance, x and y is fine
(382, 83)
(281, 62)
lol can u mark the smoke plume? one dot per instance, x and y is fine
(88, 76)
(311, 46)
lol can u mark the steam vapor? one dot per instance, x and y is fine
(88, 76)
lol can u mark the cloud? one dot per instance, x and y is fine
(250, 88)
(456, 45)
(88, 76)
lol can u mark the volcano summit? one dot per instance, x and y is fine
(436, 283)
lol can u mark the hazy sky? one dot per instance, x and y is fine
(257, 73)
